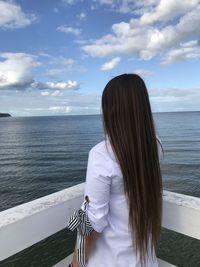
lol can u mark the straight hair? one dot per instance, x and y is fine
(128, 123)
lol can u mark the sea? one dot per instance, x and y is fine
(42, 155)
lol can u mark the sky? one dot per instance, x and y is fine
(57, 56)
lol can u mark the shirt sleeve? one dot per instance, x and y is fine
(97, 189)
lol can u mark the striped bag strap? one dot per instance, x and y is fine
(79, 220)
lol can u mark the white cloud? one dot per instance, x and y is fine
(81, 16)
(32, 104)
(146, 41)
(124, 6)
(69, 30)
(187, 51)
(45, 93)
(68, 62)
(45, 55)
(191, 43)
(176, 93)
(57, 93)
(151, 10)
(60, 60)
(69, 2)
(63, 85)
(60, 109)
(54, 72)
(12, 16)
(62, 65)
(16, 72)
(56, 86)
(110, 64)
(167, 10)
(175, 99)
(16, 69)
(143, 73)
(108, 2)
(48, 110)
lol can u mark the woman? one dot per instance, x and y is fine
(123, 183)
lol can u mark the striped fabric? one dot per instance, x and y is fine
(79, 219)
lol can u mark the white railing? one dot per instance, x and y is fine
(26, 224)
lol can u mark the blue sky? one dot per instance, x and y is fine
(57, 56)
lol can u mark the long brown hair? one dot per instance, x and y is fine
(129, 125)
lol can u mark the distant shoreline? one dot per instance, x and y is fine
(63, 115)
(2, 115)
(5, 115)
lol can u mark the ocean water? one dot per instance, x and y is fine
(42, 155)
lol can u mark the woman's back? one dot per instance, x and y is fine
(123, 180)
(108, 212)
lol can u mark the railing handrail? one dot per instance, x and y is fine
(31, 222)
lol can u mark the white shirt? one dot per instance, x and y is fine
(108, 211)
